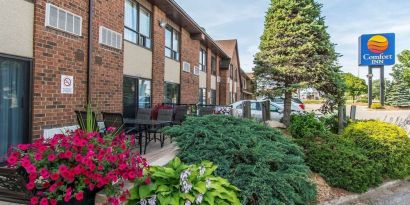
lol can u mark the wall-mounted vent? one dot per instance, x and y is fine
(196, 70)
(186, 67)
(110, 38)
(63, 20)
(218, 79)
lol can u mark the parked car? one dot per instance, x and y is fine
(297, 104)
(276, 113)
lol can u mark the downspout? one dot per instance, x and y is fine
(90, 48)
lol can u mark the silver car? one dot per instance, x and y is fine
(276, 113)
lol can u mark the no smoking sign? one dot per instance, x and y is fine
(67, 84)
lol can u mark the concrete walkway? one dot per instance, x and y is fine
(390, 193)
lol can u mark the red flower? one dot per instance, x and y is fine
(68, 154)
(53, 201)
(34, 200)
(44, 173)
(148, 180)
(30, 186)
(53, 187)
(62, 168)
(38, 156)
(78, 158)
(12, 160)
(54, 176)
(44, 201)
(79, 196)
(23, 147)
(31, 169)
(51, 157)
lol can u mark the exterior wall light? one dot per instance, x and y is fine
(162, 23)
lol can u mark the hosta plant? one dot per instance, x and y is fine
(178, 183)
(68, 166)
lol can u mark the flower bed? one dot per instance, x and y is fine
(66, 167)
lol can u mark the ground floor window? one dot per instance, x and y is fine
(136, 94)
(202, 96)
(171, 93)
(14, 102)
(213, 97)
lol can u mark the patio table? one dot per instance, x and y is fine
(145, 125)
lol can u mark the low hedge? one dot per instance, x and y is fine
(267, 167)
(384, 143)
(337, 159)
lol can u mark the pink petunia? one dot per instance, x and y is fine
(23, 147)
(12, 160)
(44, 201)
(54, 176)
(44, 173)
(30, 186)
(34, 200)
(79, 196)
(51, 157)
(53, 201)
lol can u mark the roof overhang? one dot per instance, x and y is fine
(179, 16)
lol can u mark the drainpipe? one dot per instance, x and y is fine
(90, 48)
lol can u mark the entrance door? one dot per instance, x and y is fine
(14, 102)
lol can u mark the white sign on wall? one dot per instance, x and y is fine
(67, 84)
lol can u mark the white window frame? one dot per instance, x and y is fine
(47, 20)
(113, 32)
(186, 67)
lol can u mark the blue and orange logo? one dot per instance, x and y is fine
(377, 49)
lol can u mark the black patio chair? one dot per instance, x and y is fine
(144, 114)
(206, 111)
(116, 120)
(180, 114)
(13, 186)
(165, 115)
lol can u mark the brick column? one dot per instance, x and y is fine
(158, 56)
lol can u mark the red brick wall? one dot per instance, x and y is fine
(58, 53)
(189, 81)
(158, 56)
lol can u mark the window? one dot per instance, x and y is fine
(137, 22)
(63, 20)
(202, 60)
(202, 96)
(213, 97)
(213, 65)
(171, 43)
(110, 38)
(256, 106)
(231, 70)
(137, 94)
(171, 93)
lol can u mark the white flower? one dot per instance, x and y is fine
(202, 171)
(208, 183)
(199, 199)
(152, 200)
(187, 202)
(186, 187)
(185, 174)
(143, 202)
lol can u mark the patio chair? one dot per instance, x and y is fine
(13, 186)
(206, 111)
(163, 115)
(180, 114)
(116, 120)
(144, 114)
(82, 120)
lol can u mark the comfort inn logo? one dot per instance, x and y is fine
(377, 49)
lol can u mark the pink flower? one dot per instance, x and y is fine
(131, 175)
(62, 168)
(91, 187)
(53, 187)
(54, 176)
(12, 160)
(53, 201)
(38, 156)
(34, 200)
(68, 154)
(79, 196)
(23, 147)
(31, 169)
(78, 158)
(44, 201)
(51, 157)
(44, 173)
(30, 186)
(67, 198)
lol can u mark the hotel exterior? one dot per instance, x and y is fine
(139, 53)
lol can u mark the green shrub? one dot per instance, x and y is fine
(376, 106)
(178, 183)
(341, 163)
(267, 167)
(363, 100)
(306, 126)
(384, 143)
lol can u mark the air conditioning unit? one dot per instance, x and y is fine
(110, 38)
(186, 67)
(196, 70)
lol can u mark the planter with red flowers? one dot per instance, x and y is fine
(71, 168)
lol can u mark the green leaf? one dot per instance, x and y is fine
(134, 193)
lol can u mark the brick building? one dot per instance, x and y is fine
(138, 53)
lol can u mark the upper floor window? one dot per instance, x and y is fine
(63, 20)
(231, 70)
(137, 21)
(213, 65)
(171, 43)
(202, 60)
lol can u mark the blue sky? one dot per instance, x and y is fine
(346, 19)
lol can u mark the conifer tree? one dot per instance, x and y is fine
(295, 50)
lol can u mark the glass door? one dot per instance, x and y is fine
(14, 103)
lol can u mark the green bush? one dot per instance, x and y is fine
(306, 126)
(337, 159)
(267, 167)
(178, 183)
(341, 163)
(384, 143)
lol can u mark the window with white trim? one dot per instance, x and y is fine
(202, 96)
(137, 23)
(110, 38)
(172, 39)
(63, 20)
(202, 60)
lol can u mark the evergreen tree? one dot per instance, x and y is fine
(295, 51)
(399, 95)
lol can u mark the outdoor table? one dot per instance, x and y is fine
(145, 124)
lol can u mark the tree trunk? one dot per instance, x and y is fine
(287, 108)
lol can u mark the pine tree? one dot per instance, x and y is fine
(295, 50)
(399, 95)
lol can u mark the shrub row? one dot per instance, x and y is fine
(367, 153)
(267, 167)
